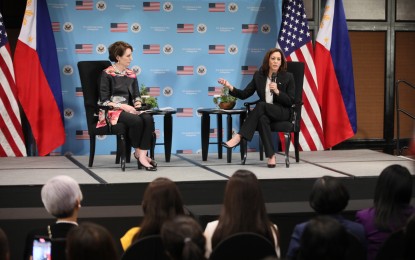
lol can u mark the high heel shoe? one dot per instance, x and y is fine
(271, 165)
(140, 166)
(230, 147)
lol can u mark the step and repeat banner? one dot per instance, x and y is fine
(180, 47)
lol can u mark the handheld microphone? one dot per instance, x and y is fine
(273, 79)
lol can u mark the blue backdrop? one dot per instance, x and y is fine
(180, 47)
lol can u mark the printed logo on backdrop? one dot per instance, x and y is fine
(79, 92)
(151, 6)
(85, 5)
(151, 49)
(136, 69)
(168, 7)
(233, 49)
(153, 91)
(248, 70)
(101, 6)
(68, 27)
(201, 28)
(185, 28)
(233, 7)
(201, 70)
(168, 91)
(101, 48)
(217, 49)
(56, 26)
(216, 7)
(265, 28)
(184, 112)
(168, 49)
(184, 70)
(119, 27)
(68, 113)
(67, 70)
(249, 28)
(135, 27)
(83, 48)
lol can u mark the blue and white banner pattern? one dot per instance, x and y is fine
(180, 47)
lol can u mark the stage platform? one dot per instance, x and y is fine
(112, 197)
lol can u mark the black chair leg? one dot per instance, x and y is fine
(122, 146)
(91, 150)
(297, 146)
(261, 149)
(118, 152)
(287, 149)
(244, 150)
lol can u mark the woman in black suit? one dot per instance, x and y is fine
(275, 88)
(119, 88)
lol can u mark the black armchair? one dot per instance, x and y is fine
(150, 247)
(287, 127)
(244, 245)
(89, 72)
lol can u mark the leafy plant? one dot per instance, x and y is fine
(147, 99)
(224, 97)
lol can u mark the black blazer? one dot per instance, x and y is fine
(286, 86)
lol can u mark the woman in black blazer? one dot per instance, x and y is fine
(275, 88)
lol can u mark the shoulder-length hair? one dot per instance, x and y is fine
(118, 49)
(161, 201)
(265, 62)
(243, 209)
(328, 196)
(392, 196)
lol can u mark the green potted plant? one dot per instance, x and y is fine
(225, 100)
(147, 99)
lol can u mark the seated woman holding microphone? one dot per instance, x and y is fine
(275, 88)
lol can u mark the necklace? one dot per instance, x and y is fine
(117, 71)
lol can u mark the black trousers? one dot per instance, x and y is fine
(260, 119)
(140, 129)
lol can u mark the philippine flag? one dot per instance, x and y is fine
(38, 79)
(333, 61)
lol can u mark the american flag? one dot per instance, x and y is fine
(185, 28)
(79, 92)
(184, 70)
(151, 49)
(249, 28)
(216, 7)
(248, 70)
(151, 6)
(295, 40)
(217, 49)
(83, 48)
(56, 26)
(213, 133)
(119, 27)
(82, 135)
(186, 151)
(84, 5)
(153, 91)
(184, 112)
(214, 91)
(11, 134)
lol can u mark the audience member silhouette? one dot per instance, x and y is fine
(61, 196)
(161, 201)
(391, 207)
(243, 210)
(328, 197)
(4, 246)
(324, 238)
(90, 241)
(183, 239)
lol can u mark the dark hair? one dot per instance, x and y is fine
(90, 241)
(183, 239)
(243, 209)
(328, 195)
(265, 61)
(4, 246)
(409, 231)
(392, 196)
(324, 238)
(161, 201)
(118, 49)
